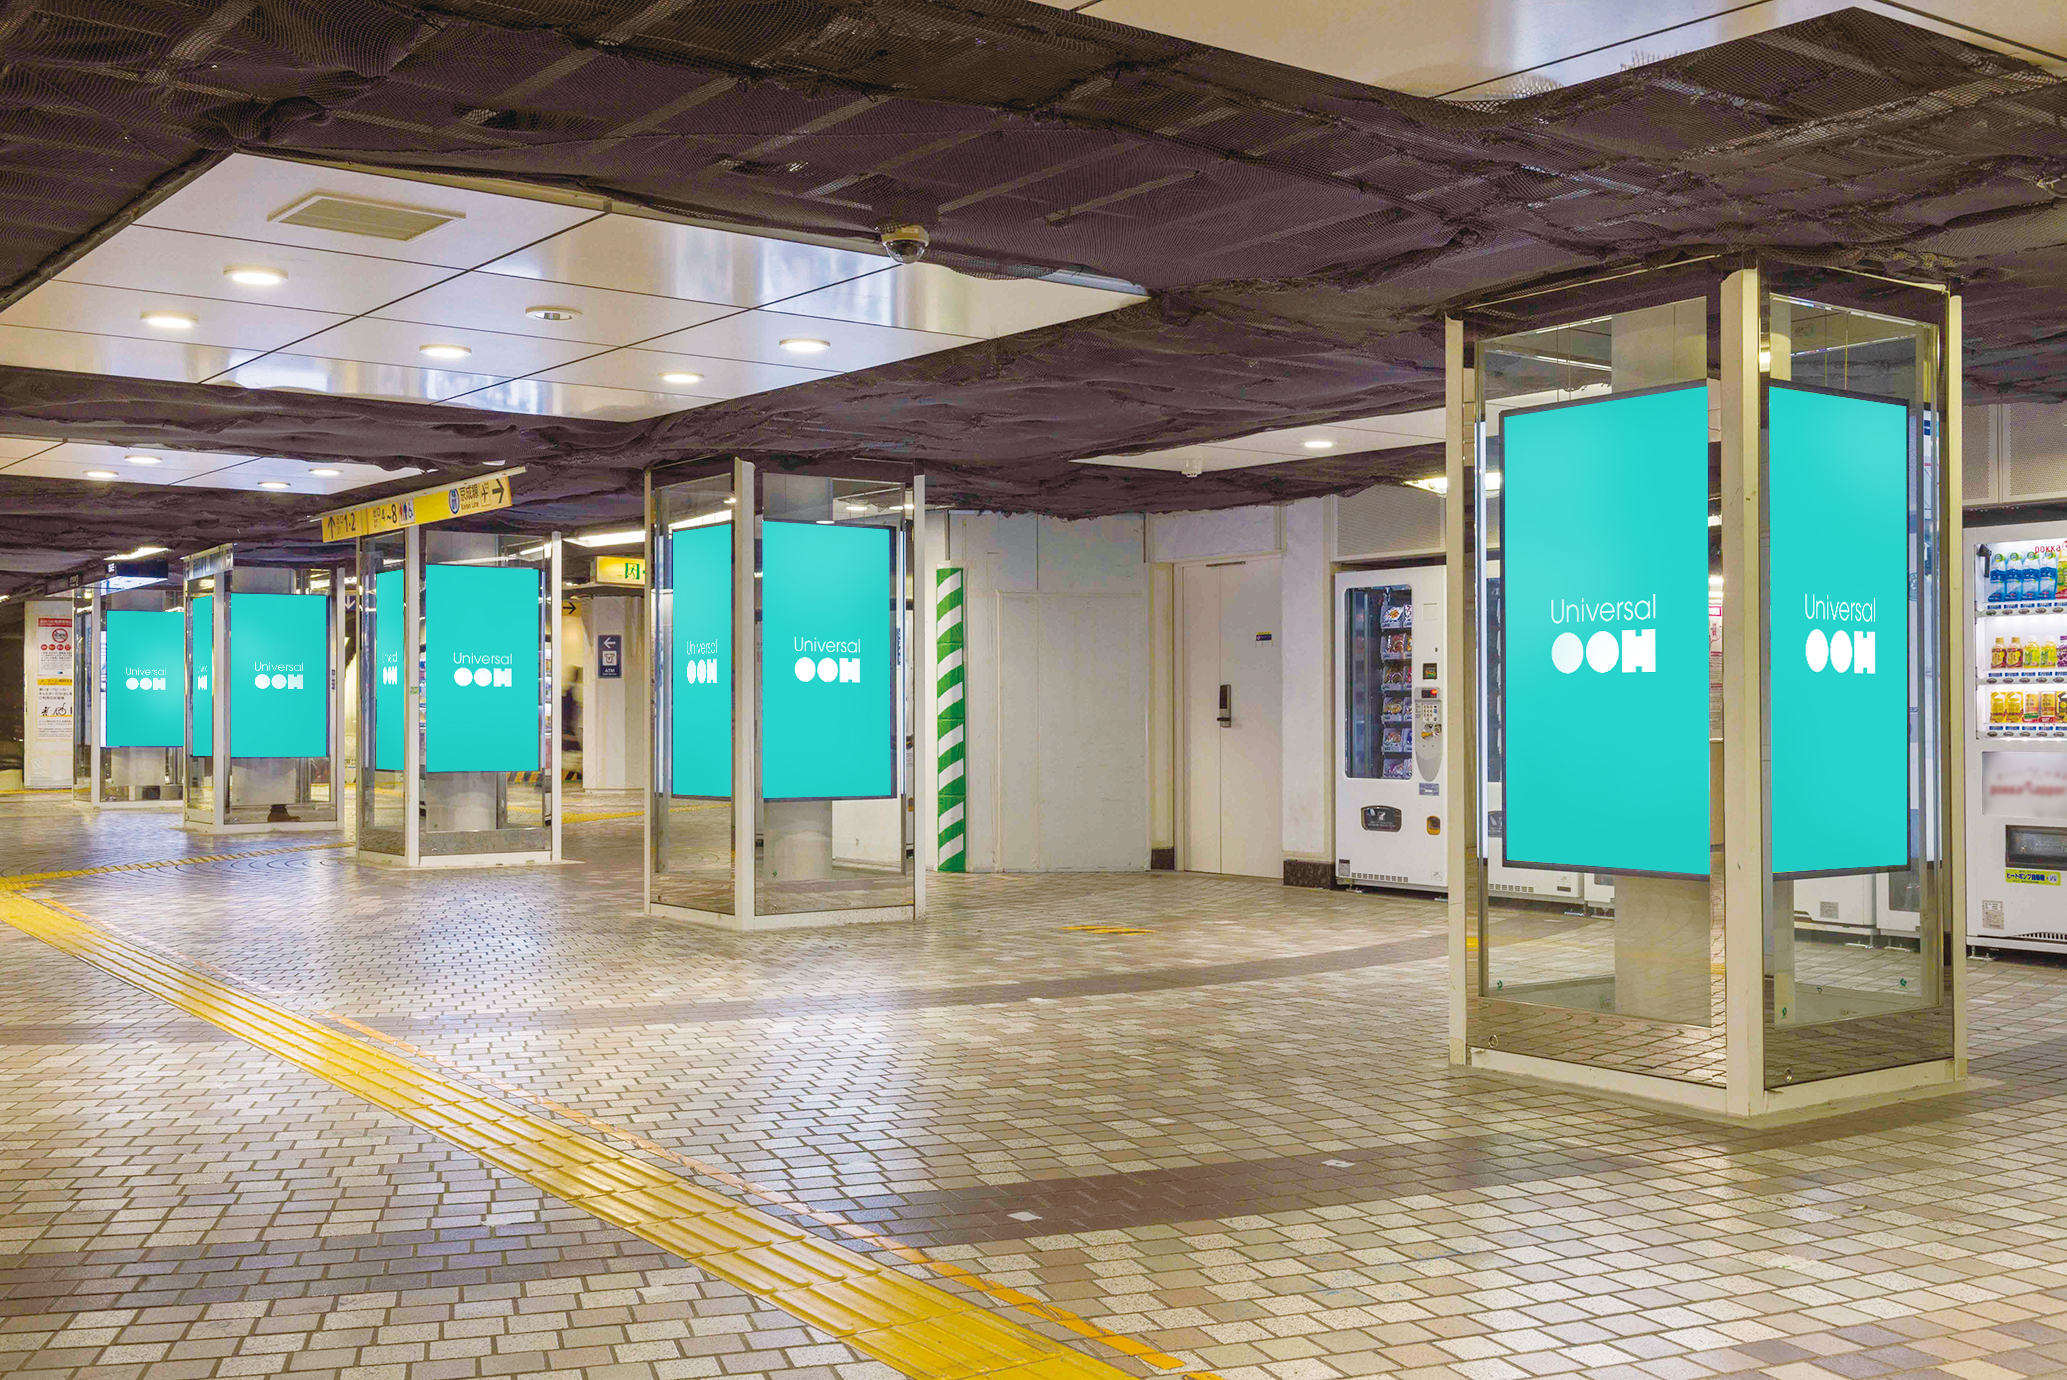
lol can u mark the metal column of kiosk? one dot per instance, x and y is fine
(128, 662)
(1704, 562)
(782, 629)
(265, 703)
(459, 698)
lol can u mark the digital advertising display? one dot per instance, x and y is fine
(700, 720)
(389, 592)
(279, 675)
(201, 713)
(481, 652)
(828, 662)
(1837, 494)
(1604, 577)
(145, 674)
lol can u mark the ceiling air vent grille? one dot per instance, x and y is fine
(347, 215)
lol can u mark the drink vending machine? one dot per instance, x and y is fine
(2017, 743)
(1390, 772)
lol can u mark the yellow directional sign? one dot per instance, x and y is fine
(620, 570)
(482, 495)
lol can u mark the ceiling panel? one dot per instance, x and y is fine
(196, 469)
(15, 447)
(928, 297)
(1207, 458)
(118, 355)
(119, 312)
(758, 335)
(659, 257)
(492, 302)
(90, 455)
(298, 475)
(178, 262)
(541, 398)
(1425, 425)
(238, 195)
(378, 341)
(350, 378)
(641, 370)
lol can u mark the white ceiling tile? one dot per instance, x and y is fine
(928, 297)
(175, 261)
(16, 447)
(1425, 425)
(492, 302)
(641, 370)
(635, 254)
(297, 475)
(1208, 458)
(540, 398)
(757, 335)
(94, 455)
(350, 378)
(375, 340)
(238, 196)
(119, 312)
(105, 354)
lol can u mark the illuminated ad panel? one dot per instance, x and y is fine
(390, 589)
(144, 673)
(481, 690)
(701, 716)
(828, 662)
(1837, 493)
(1604, 560)
(201, 715)
(279, 674)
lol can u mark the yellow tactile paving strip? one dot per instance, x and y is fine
(913, 1326)
(30, 878)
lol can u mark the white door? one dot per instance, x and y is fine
(1232, 695)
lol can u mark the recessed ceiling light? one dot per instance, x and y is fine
(272, 483)
(254, 275)
(805, 345)
(326, 474)
(552, 313)
(825, 522)
(444, 351)
(170, 320)
(100, 474)
(680, 376)
(1318, 443)
(139, 553)
(141, 459)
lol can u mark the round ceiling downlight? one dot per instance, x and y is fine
(170, 320)
(680, 376)
(100, 474)
(141, 459)
(444, 351)
(806, 345)
(272, 483)
(254, 275)
(552, 313)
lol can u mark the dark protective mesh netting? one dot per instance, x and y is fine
(1302, 235)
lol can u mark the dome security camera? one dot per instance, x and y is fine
(905, 243)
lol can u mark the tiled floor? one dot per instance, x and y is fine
(1234, 1137)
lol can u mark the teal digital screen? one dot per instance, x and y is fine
(828, 662)
(700, 720)
(481, 653)
(389, 591)
(279, 675)
(145, 658)
(1837, 493)
(202, 713)
(1604, 559)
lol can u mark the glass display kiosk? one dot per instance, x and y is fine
(1710, 523)
(782, 628)
(128, 658)
(459, 698)
(264, 642)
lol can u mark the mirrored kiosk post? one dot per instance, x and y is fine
(265, 641)
(1695, 559)
(128, 649)
(781, 622)
(458, 700)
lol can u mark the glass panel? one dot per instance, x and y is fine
(382, 725)
(1854, 949)
(835, 740)
(137, 693)
(278, 683)
(1378, 728)
(692, 842)
(1597, 732)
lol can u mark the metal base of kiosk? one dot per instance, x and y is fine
(173, 804)
(802, 920)
(295, 826)
(448, 860)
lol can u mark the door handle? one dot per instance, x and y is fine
(1226, 710)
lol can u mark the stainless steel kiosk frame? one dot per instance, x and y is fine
(720, 852)
(115, 778)
(229, 794)
(410, 815)
(1714, 988)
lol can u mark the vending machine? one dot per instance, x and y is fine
(1390, 772)
(2017, 738)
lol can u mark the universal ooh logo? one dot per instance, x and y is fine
(700, 664)
(1633, 649)
(271, 676)
(1840, 650)
(484, 671)
(821, 661)
(136, 678)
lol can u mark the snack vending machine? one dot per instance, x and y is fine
(1390, 772)
(2017, 744)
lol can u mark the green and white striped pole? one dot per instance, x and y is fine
(951, 710)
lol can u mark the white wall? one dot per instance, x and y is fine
(1057, 680)
(614, 727)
